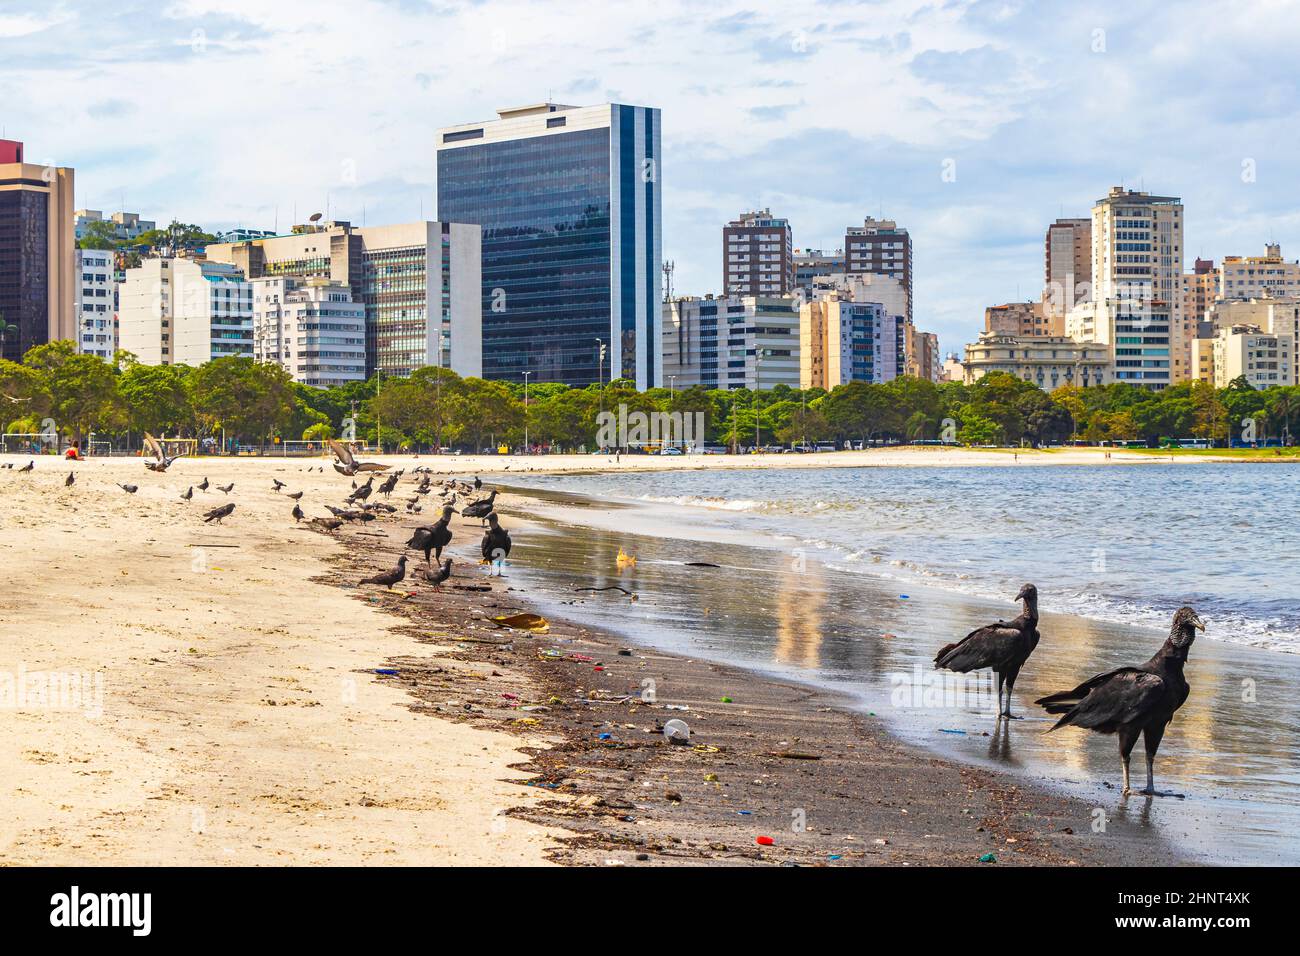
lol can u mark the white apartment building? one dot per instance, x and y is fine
(844, 340)
(126, 225)
(1137, 275)
(731, 342)
(185, 312)
(96, 303)
(312, 328)
(1248, 277)
(1264, 359)
(1049, 361)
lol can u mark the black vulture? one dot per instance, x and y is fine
(389, 484)
(362, 493)
(1134, 700)
(390, 577)
(434, 537)
(478, 482)
(1004, 647)
(496, 543)
(481, 508)
(216, 514)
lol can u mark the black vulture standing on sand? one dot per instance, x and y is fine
(389, 484)
(1004, 647)
(481, 508)
(496, 543)
(216, 514)
(433, 538)
(390, 577)
(1133, 700)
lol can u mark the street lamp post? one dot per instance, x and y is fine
(527, 446)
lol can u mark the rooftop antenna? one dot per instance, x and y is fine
(668, 268)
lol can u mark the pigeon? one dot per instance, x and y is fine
(189, 493)
(276, 485)
(296, 496)
(129, 489)
(226, 489)
(203, 485)
(297, 513)
(72, 476)
(216, 514)
(390, 577)
(27, 467)
(329, 524)
(435, 575)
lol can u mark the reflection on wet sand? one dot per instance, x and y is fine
(1232, 748)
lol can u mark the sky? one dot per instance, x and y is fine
(973, 123)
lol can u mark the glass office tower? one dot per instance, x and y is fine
(569, 202)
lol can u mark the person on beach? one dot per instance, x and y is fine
(73, 453)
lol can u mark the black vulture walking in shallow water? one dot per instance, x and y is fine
(435, 537)
(496, 543)
(1134, 700)
(1004, 647)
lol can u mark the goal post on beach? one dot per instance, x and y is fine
(179, 447)
(29, 442)
(303, 449)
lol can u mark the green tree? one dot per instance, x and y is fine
(243, 398)
(81, 389)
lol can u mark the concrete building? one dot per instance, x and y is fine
(420, 284)
(241, 234)
(1200, 292)
(953, 370)
(569, 200)
(96, 303)
(179, 311)
(1017, 318)
(1049, 361)
(757, 255)
(842, 340)
(923, 358)
(1137, 274)
(880, 247)
(1067, 271)
(731, 342)
(1249, 277)
(311, 327)
(1276, 316)
(127, 226)
(1203, 360)
(38, 260)
(1264, 359)
(809, 264)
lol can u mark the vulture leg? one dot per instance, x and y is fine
(1127, 738)
(1011, 682)
(1151, 738)
(999, 694)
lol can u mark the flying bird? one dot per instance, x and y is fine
(226, 489)
(345, 464)
(189, 493)
(216, 514)
(496, 543)
(129, 489)
(1004, 647)
(160, 461)
(1130, 701)
(435, 575)
(390, 577)
(434, 537)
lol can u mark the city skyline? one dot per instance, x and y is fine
(974, 125)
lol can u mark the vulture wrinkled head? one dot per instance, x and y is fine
(1027, 593)
(1186, 623)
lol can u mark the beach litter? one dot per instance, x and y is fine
(677, 731)
(726, 700)
(385, 670)
(988, 858)
(794, 755)
(945, 730)
(764, 841)
(524, 622)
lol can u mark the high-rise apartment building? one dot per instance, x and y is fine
(38, 262)
(420, 284)
(1248, 277)
(1067, 272)
(1137, 275)
(1016, 318)
(809, 264)
(731, 342)
(842, 341)
(125, 226)
(96, 303)
(880, 247)
(181, 311)
(757, 255)
(310, 327)
(1263, 359)
(569, 201)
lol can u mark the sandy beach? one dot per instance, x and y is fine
(242, 721)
